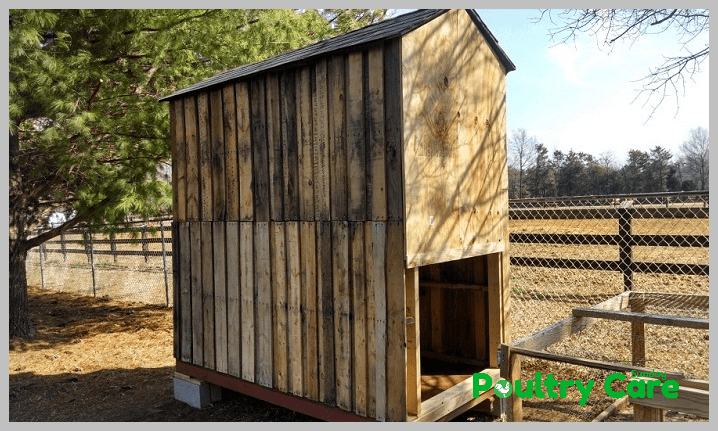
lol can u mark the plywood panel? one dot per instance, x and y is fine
(244, 156)
(220, 296)
(263, 289)
(192, 154)
(260, 150)
(179, 159)
(274, 144)
(356, 144)
(357, 277)
(290, 146)
(219, 199)
(325, 296)
(376, 174)
(336, 97)
(279, 298)
(229, 120)
(310, 381)
(304, 136)
(208, 327)
(294, 301)
(246, 286)
(195, 232)
(320, 131)
(185, 290)
(234, 322)
(205, 157)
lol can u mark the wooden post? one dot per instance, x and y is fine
(647, 414)
(413, 352)
(113, 247)
(510, 370)
(625, 243)
(638, 332)
(92, 263)
(164, 263)
(62, 247)
(145, 247)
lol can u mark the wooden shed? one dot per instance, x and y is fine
(341, 221)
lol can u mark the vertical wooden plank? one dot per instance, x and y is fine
(437, 319)
(246, 286)
(192, 155)
(380, 298)
(179, 162)
(320, 131)
(219, 198)
(325, 296)
(396, 324)
(294, 296)
(234, 331)
(376, 176)
(229, 119)
(274, 145)
(310, 381)
(342, 328)
(260, 162)
(290, 146)
(220, 296)
(647, 414)
(479, 316)
(425, 307)
(205, 157)
(496, 310)
(393, 117)
(279, 297)
(196, 277)
(263, 289)
(511, 371)
(356, 145)
(638, 333)
(371, 317)
(208, 357)
(244, 149)
(185, 290)
(304, 136)
(176, 294)
(337, 137)
(358, 290)
(413, 352)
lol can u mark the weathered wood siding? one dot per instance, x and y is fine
(290, 240)
(455, 171)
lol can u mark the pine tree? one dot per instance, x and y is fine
(86, 132)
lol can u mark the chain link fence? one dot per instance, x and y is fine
(643, 255)
(132, 265)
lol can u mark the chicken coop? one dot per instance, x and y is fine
(341, 221)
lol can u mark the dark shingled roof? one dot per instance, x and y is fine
(389, 28)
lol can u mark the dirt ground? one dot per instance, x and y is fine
(105, 360)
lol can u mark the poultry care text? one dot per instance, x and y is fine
(553, 388)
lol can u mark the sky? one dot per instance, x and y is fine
(582, 96)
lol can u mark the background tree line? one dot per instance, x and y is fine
(535, 172)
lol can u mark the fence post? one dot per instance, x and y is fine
(625, 244)
(92, 263)
(164, 263)
(63, 247)
(113, 247)
(145, 248)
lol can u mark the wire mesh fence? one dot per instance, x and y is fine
(631, 269)
(132, 265)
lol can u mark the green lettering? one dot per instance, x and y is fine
(538, 382)
(636, 389)
(528, 393)
(564, 385)
(585, 390)
(550, 384)
(670, 389)
(480, 387)
(609, 380)
(652, 384)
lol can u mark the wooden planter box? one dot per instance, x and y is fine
(341, 214)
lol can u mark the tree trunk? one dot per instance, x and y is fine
(20, 321)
